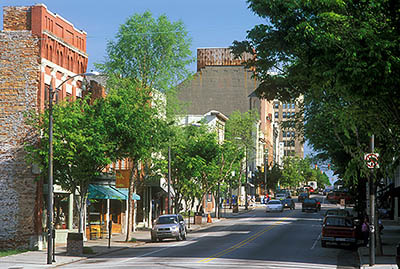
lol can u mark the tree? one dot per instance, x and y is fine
(344, 50)
(80, 148)
(133, 125)
(155, 52)
(153, 55)
(327, 49)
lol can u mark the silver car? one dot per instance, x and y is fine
(169, 226)
(274, 205)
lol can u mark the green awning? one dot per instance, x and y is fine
(104, 192)
(109, 192)
(125, 192)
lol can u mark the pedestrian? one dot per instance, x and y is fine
(365, 231)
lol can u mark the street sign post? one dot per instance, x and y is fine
(371, 160)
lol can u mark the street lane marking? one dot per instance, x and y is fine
(243, 243)
(315, 243)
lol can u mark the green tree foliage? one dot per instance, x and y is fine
(80, 147)
(156, 52)
(152, 54)
(343, 56)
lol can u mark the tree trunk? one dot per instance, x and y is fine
(130, 209)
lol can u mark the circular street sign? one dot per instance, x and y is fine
(371, 160)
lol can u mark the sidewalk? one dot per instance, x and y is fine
(99, 247)
(390, 239)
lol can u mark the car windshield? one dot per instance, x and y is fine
(274, 203)
(309, 200)
(166, 220)
(287, 200)
(342, 222)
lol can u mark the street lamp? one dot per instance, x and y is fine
(50, 213)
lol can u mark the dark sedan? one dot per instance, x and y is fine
(288, 203)
(302, 196)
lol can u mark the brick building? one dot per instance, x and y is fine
(38, 48)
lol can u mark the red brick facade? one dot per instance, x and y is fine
(38, 49)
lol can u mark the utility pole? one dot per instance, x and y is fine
(372, 210)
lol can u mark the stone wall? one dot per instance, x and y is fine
(16, 18)
(19, 80)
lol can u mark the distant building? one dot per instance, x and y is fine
(214, 119)
(290, 141)
(223, 83)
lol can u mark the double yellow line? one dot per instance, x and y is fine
(242, 243)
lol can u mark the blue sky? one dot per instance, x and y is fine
(210, 23)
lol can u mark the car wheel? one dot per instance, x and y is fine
(184, 235)
(323, 244)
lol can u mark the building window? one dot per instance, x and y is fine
(276, 105)
(283, 134)
(293, 134)
(46, 93)
(284, 115)
(276, 115)
(284, 106)
(292, 114)
(293, 105)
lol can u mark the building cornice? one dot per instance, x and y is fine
(47, 33)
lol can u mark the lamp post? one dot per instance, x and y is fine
(169, 180)
(50, 211)
(246, 203)
(265, 169)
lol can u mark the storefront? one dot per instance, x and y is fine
(106, 203)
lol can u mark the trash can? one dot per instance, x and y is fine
(198, 217)
(235, 209)
(75, 244)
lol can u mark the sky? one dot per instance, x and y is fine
(210, 23)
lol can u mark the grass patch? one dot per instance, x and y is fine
(133, 240)
(9, 252)
(88, 250)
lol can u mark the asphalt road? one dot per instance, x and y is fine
(253, 240)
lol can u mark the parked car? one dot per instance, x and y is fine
(336, 196)
(310, 204)
(337, 212)
(169, 226)
(339, 230)
(274, 205)
(302, 196)
(288, 203)
(281, 196)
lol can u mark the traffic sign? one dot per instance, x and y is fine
(371, 160)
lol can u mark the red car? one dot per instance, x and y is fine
(339, 230)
